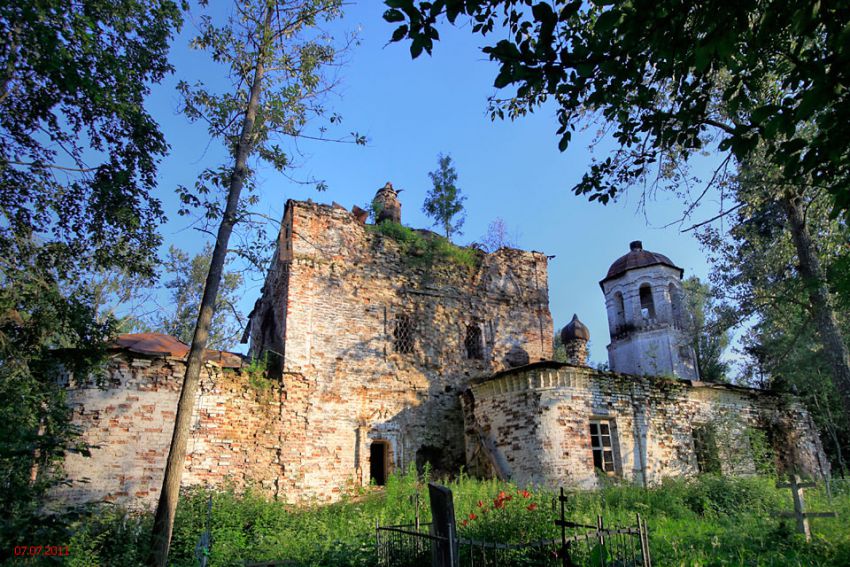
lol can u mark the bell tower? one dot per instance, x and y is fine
(646, 318)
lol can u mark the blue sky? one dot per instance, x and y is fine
(411, 110)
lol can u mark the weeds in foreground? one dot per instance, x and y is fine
(700, 522)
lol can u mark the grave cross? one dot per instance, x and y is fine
(799, 512)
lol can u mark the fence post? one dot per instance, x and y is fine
(417, 509)
(378, 542)
(599, 527)
(646, 560)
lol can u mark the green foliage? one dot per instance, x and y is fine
(666, 79)
(44, 333)
(710, 520)
(186, 283)
(295, 55)
(559, 352)
(257, 374)
(762, 452)
(707, 330)
(756, 270)
(78, 151)
(444, 202)
(427, 249)
(78, 158)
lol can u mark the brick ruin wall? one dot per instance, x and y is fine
(238, 431)
(327, 320)
(536, 423)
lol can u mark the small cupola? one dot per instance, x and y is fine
(575, 330)
(574, 337)
(386, 204)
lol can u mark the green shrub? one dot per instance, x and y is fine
(425, 248)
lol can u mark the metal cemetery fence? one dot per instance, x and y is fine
(435, 545)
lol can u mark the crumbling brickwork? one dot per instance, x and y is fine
(129, 418)
(537, 421)
(370, 345)
(382, 340)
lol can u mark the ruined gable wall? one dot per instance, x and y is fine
(345, 284)
(129, 418)
(539, 421)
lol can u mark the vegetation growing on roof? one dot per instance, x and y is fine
(425, 248)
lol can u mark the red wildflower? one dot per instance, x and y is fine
(472, 516)
(532, 506)
(480, 504)
(525, 494)
(465, 523)
(497, 503)
(502, 495)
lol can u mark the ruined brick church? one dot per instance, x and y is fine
(379, 358)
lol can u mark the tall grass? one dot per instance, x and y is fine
(699, 522)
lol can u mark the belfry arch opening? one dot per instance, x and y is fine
(647, 304)
(619, 313)
(676, 306)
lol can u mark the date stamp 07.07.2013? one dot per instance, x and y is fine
(42, 551)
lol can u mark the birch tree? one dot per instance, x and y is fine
(278, 61)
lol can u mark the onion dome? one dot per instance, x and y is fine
(575, 330)
(638, 258)
(386, 204)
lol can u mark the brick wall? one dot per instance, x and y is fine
(129, 418)
(329, 306)
(539, 420)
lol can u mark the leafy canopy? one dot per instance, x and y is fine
(670, 76)
(707, 329)
(186, 284)
(78, 157)
(79, 151)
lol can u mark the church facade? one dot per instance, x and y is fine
(383, 352)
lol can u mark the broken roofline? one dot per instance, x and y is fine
(161, 345)
(334, 206)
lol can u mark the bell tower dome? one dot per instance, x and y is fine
(646, 319)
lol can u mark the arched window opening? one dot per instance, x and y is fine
(619, 313)
(474, 343)
(647, 305)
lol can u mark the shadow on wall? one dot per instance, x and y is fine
(516, 356)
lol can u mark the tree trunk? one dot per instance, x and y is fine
(834, 347)
(164, 520)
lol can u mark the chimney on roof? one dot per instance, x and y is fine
(636, 245)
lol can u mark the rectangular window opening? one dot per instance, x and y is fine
(474, 343)
(403, 334)
(603, 447)
(705, 447)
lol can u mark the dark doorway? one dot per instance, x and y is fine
(378, 458)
